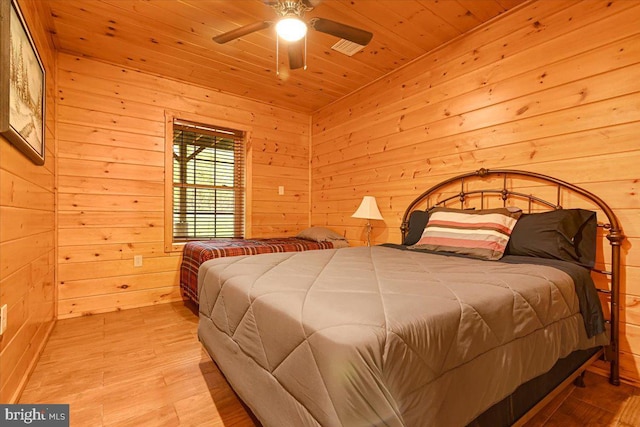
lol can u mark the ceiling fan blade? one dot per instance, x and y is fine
(311, 3)
(242, 31)
(296, 54)
(344, 31)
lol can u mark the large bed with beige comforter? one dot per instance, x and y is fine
(387, 335)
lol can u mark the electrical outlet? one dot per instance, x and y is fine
(137, 261)
(3, 319)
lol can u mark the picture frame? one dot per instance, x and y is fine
(22, 85)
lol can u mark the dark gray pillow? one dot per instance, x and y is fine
(417, 222)
(564, 234)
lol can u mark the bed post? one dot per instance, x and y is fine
(615, 237)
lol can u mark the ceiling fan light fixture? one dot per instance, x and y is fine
(291, 29)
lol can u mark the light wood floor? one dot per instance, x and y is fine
(145, 367)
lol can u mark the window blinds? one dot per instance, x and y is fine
(208, 181)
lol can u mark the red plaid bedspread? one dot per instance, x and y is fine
(195, 253)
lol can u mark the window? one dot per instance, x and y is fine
(208, 181)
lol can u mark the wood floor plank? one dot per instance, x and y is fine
(631, 412)
(547, 412)
(164, 416)
(89, 415)
(598, 392)
(146, 367)
(575, 413)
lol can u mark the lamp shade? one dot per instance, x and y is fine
(368, 209)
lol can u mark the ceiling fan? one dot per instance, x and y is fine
(291, 28)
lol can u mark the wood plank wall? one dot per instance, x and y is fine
(111, 180)
(27, 234)
(552, 87)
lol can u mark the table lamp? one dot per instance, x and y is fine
(368, 210)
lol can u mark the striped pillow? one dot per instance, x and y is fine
(482, 234)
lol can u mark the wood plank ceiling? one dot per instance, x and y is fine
(174, 39)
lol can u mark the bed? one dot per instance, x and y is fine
(197, 252)
(412, 334)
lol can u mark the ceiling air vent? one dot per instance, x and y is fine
(347, 47)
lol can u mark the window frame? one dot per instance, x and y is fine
(170, 116)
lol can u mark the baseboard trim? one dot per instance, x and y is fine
(25, 379)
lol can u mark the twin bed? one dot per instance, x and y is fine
(421, 334)
(197, 252)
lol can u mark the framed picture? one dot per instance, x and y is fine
(22, 85)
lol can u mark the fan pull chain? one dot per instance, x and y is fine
(277, 55)
(305, 52)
